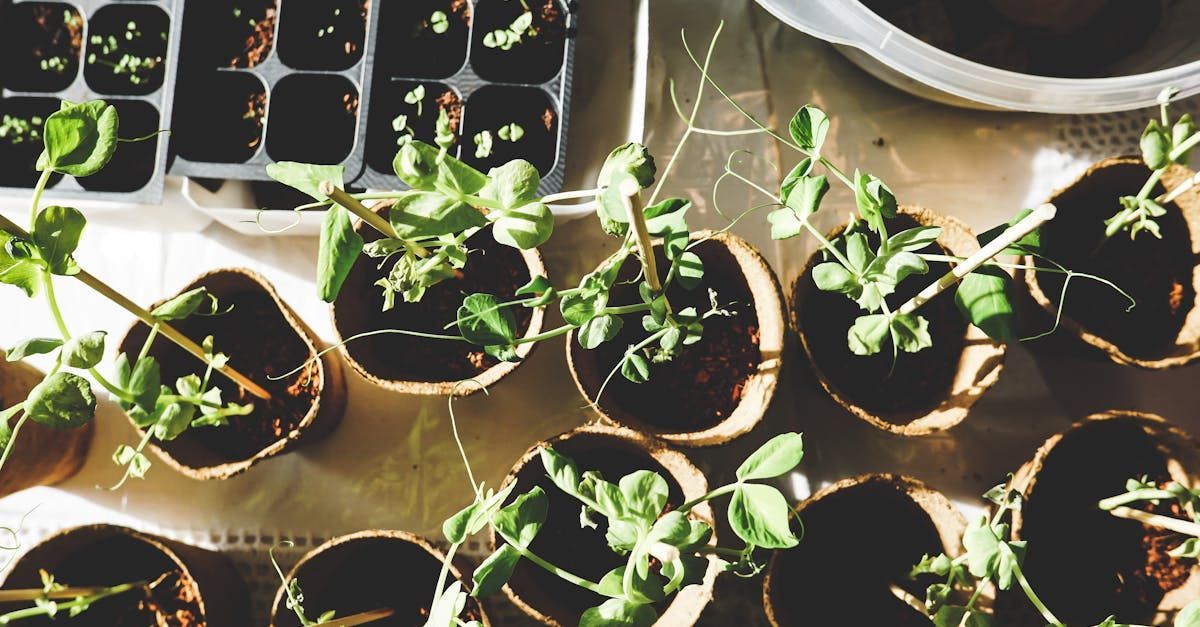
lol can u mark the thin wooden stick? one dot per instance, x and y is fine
(1042, 214)
(32, 594)
(339, 195)
(167, 330)
(359, 619)
(1185, 527)
(631, 197)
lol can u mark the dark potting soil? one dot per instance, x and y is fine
(537, 58)
(491, 268)
(132, 165)
(344, 578)
(919, 381)
(387, 103)
(850, 570)
(40, 44)
(111, 42)
(703, 384)
(413, 49)
(977, 31)
(260, 345)
(19, 150)
(1087, 563)
(173, 601)
(1156, 273)
(228, 33)
(323, 35)
(492, 107)
(277, 196)
(563, 541)
(219, 117)
(313, 119)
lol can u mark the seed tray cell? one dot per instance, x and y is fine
(122, 51)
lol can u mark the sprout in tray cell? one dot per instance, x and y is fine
(132, 167)
(505, 123)
(40, 44)
(519, 41)
(228, 33)
(426, 38)
(220, 118)
(21, 124)
(126, 49)
(428, 112)
(313, 119)
(323, 35)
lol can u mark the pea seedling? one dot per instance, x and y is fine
(439, 22)
(135, 66)
(79, 141)
(1142, 490)
(295, 602)
(521, 27)
(54, 600)
(18, 130)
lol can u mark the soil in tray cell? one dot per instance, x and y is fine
(277, 196)
(423, 38)
(228, 33)
(322, 34)
(313, 119)
(407, 109)
(132, 165)
(126, 49)
(519, 41)
(40, 44)
(516, 122)
(219, 117)
(21, 122)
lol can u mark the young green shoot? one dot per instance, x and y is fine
(113, 55)
(54, 600)
(1142, 491)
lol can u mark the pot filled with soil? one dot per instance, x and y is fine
(716, 389)
(519, 42)
(862, 537)
(323, 35)
(503, 123)
(228, 33)
(313, 118)
(414, 365)
(42, 455)
(919, 393)
(265, 340)
(233, 106)
(614, 452)
(21, 122)
(40, 43)
(426, 38)
(340, 576)
(1163, 329)
(1085, 563)
(126, 49)
(183, 585)
(404, 110)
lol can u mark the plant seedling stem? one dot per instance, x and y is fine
(339, 195)
(32, 594)
(632, 199)
(1042, 214)
(361, 618)
(167, 330)
(1158, 520)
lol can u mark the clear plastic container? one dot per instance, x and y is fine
(908, 63)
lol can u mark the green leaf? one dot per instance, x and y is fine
(1032, 242)
(17, 265)
(985, 297)
(982, 543)
(56, 232)
(431, 214)
(631, 158)
(668, 217)
(868, 334)
(619, 613)
(33, 346)
(84, 351)
(900, 265)
(1155, 145)
(522, 519)
(645, 493)
(776, 457)
(474, 517)
(799, 171)
(525, 227)
(62, 400)
(599, 330)
(784, 223)
(457, 176)
(145, 383)
(805, 199)
(339, 248)
(1189, 616)
(875, 201)
(494, 572)
(910, 332)
(416, 165)
(172, 420)
(610, 207)
(1183, 129)
(858, 252)
(483, 322)
(128, 456)
(307, 177)
(831, 276)
(808, 129)
(186, 304)
(760, 515)
(914, 239)
(611, 584)
(513, 184)
(80, 138)
(635, 368)
(689, 270)
(450, 604)
(561, 469)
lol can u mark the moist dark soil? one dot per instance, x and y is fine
(492, 107)
(563, 541)
(703, 385)
(536, 58)
(313, 119)
(260, 345)
(1156, 273)
(1088, 563)
(871, 535)
(346, 578)
(323, 35)
(219, 117)
(413, 49)
(387, 102)
(172, 602)
(919, 381)
(491, 268)
(147, 41)
(228, 33)
(33, 33)
(19, 152)
(977, 31)
(132, 165)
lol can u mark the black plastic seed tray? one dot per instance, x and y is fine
(122, 51)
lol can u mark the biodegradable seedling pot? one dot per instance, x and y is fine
(928, 391)
(614, 452)
(426, 366)
(263, 338)
(861, 537)
(41, 455)
(414, 48)
(201, 587)
(388, 103)
(1085, 563)
(40, 43)
(349, 575)
(535, 58)
(1163, 330)
(716, 389)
